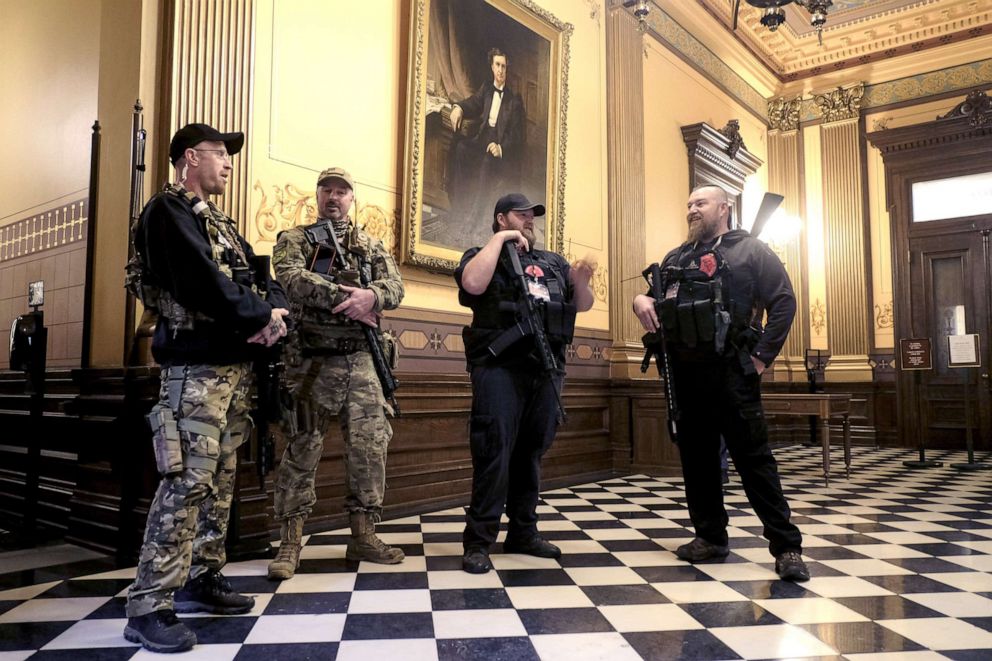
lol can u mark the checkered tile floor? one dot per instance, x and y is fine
(901, 563)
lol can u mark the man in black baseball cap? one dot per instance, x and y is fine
(514, 396)
(202, 278)
(192, 135)
(515, 202)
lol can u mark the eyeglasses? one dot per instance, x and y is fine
(223, 154)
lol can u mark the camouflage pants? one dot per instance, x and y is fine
(345, 386)
(187, 521)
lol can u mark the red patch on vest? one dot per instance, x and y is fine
(707, 264)
(534, 271)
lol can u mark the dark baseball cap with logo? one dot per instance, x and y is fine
(193, 134)
(516, 202)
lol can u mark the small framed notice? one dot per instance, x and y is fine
(915, 353)
(963, 351)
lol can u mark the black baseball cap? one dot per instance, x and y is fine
(193, 134)
(516, 202)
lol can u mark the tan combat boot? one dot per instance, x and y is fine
(364, 545)
(288, 557)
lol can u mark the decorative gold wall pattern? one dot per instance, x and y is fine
(600, 280)
(840, 103)
(843, 220)
(817, 316)
(212, 69)
(290, 207)
(883, 315)
(783, 114)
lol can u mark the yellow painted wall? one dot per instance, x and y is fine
(49, 65)
(675, 95)
(330, 89)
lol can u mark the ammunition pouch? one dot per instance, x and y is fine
(559, 321)
(390, 348)
(165, 441)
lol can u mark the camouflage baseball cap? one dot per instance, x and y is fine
(336, 173)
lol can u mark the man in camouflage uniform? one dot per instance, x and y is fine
(195, 270)
(330, 371)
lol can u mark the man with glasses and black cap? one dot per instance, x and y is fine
(514, 399)
(331, 372)
(195, 271)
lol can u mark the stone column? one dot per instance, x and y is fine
(785, 178)
(846, 260)
(625, 130)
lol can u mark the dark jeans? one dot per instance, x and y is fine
(716, 397)
(514, 417)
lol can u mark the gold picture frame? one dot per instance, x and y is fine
(452, 178)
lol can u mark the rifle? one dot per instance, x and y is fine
(268, 369)
(530, 321)
(654, 345)
(323, 233)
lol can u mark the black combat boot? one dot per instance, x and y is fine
(160, 631)
(210, 592)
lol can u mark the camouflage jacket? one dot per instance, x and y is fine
(312, 296)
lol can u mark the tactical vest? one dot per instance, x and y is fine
(225, 251)
(321, 330)
(495, 311)
(695, 312)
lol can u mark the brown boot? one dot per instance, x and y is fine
(364, 545)
(288, 557)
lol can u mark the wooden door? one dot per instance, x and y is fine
(949, 294)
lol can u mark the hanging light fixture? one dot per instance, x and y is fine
(774, 13)
(641, 11)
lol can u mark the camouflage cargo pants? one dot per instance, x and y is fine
(345, 386)
(187, 521)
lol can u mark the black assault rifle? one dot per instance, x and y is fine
(530, 321)
(268, 369)
(654, 345)
(323, 233)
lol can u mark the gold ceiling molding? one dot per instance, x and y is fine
(290, 207)
(875, 35)
(840, 103)
(783, 114)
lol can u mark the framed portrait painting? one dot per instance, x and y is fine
(488, 91)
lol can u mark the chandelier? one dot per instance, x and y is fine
(774, 13)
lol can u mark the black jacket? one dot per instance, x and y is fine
(757, 280)
(176, 250)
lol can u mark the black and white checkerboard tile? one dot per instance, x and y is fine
(901, 563)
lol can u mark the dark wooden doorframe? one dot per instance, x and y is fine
(956, 144)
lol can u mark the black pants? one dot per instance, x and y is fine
(716, 397)
(514, 417)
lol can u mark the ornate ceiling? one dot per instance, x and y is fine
(857, 32)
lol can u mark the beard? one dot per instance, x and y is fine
(702, 230)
